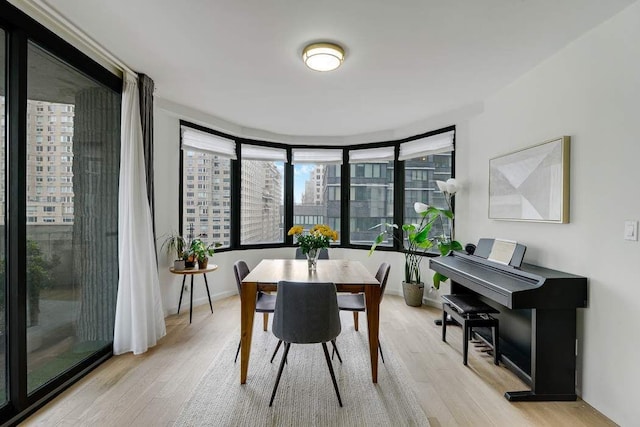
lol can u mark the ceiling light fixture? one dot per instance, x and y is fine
(323, 56)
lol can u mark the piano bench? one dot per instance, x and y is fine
(470, 312)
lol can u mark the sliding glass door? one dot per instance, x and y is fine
(60, 145)
(71, 215)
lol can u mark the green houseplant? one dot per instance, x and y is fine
(201, 251)
(176, 243)
(418, 239)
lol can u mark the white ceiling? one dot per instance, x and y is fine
(406, 60)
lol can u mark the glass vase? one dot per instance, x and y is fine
(312, 259)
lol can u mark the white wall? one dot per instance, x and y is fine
(591, 92)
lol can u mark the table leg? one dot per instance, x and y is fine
(191, 305)
(184, 277)
(247, 311)
(372, 301)
(208, 294)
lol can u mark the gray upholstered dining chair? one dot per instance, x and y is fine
(356, 302)
(306, 313)
(324, 254)
(265, 303)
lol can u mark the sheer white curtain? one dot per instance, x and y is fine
(139, 315)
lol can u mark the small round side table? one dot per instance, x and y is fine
(192, 272)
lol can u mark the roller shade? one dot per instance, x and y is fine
(304, 155)
(194, 140)
(371, 155)
(435, 144)
(256, 152)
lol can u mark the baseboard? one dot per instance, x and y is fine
(197, 302)
(425, 301)
(432, 303)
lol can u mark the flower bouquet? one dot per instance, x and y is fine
(318, 237)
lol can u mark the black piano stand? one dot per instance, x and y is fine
(531, 396)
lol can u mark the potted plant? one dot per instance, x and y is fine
(418, 239)
(201, 251)
(176, 243)
(445, 241)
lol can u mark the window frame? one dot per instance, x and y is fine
(344, 194)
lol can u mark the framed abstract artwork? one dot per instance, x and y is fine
(531, 184)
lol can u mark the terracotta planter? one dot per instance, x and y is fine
(413, 293)
(202, 264)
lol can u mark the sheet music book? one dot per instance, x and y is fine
(502, 251)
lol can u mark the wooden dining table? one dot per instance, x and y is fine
(347, 275)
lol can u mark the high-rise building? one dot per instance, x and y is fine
(207, 199)
(314, 187)
(49, 162)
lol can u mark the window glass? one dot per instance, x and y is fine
(72, 227)
(371, 201)
(262, 200)
(206, 212)
(420, 176)
(317, 195)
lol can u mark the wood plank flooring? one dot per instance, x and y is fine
(148, 390)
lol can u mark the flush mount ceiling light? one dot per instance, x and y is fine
(323, 56)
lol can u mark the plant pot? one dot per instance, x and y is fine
(413, 293)
(202, 263)
(179, 265)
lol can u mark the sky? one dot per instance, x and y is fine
(301, 174)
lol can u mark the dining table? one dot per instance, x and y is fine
(347, 275)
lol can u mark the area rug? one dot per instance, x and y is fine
(305, 395)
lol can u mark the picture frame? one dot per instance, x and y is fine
(531, 184)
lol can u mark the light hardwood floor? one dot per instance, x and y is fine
(148, 390)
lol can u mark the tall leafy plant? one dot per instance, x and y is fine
(418, 239)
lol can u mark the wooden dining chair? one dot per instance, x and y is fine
(356, 302)
(265, 303)
(306, 313)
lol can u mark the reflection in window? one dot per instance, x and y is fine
(72, 264)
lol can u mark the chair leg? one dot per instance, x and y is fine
(380, 348)
(276, 350)
(284, 358)
(265, 321)
(355, 320)
(333, 376)
(237, 352)
(335, 350)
